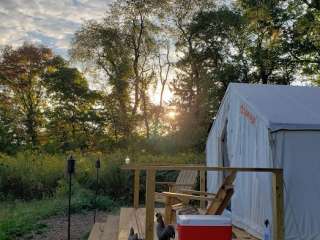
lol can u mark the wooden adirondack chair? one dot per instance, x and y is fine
(217, 203)
(186, 180)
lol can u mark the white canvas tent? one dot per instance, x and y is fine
(270, 126)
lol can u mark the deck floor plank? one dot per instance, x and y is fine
(130, 217)
(107, 230)
(96, 231)
(242, 235)
(111, 228)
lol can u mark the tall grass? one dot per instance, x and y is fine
(30, 175)
(33, 185)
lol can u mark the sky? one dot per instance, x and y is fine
(52, 23)
(48, 22)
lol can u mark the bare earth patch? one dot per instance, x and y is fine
(57, 227)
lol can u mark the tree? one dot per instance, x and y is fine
(122, 46)
(106, 47)
(72, 116)
(244, 43)
(187, 84)
(303, 36)
(220, 41)
(266, 29)
(21, 80)
(11, 131)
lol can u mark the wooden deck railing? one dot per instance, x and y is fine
(278, 204)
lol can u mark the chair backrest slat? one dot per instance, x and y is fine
(223, 196)
(188, 177)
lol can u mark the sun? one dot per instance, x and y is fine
(167, 95)
(172, 114)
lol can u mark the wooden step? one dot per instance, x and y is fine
(96, 231)
(111, 228)
(106, 231)
(130, 217)
(136, 218)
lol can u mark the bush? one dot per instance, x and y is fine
(30, 175)
(35, 175)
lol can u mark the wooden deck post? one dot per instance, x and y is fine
(202, 175)
(168, 210)
(278, 206)
(150, 193)
(136, 190)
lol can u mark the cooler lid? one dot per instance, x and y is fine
(203, 220)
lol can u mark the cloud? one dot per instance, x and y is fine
(48, 22)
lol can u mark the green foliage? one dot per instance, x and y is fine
(196, 47)
(193, 47)
(73, 117)
(21, 72)
(35, 175)
(29, 175)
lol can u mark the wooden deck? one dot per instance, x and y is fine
(117, 227)
(106, 230)
(151, 170)
(130, 217)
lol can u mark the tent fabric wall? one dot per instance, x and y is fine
(282, 107)
(248, 147)
(213, 147)
(298, 153)
(255, 138)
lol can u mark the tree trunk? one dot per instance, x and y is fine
(145, 115)
(31, 127)
(136, 85)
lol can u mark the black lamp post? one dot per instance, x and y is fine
(70, 169)
(98, 165)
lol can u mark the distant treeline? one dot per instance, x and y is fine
(192, 48)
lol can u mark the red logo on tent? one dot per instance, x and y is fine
(247, 114)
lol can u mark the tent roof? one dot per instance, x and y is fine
(282, 107)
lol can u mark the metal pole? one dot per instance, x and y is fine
(69, 209)
(70, 171)
(97, 188)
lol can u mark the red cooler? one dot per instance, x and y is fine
(204, 227)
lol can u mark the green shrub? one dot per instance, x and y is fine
(30, 175)
(35, 175)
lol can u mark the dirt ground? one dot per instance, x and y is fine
(57, 227)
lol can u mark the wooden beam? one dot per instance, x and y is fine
(188, 191)
(168, 210)
(150, 193)
(136, 190)
(202, 175)
(198, 167)
(186, 197)
(278, 206)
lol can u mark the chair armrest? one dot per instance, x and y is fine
(175, 184)
(183, 185)
(187, 191)
(185, 197)
(166, 183)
